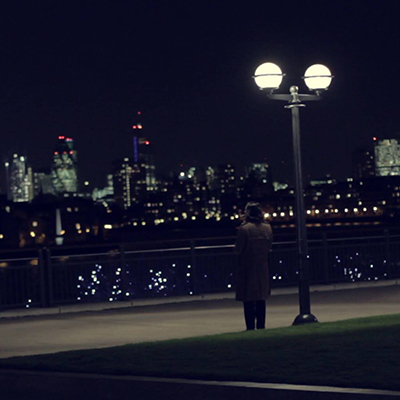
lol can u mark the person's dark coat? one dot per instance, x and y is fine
(253, 243)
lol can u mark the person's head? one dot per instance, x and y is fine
(253, 212)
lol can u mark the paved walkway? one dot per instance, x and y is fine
(25, 332)
(81, 327)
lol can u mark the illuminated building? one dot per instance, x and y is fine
(106, 194)
(223, 194)
(144, 162)
(326, 180)
(122, 182)
(134, 177)
(128, 182)
(42, 183)
(279, 186)
(143, 156)
(387, 157)
(64, 171)
(223, 178)
(363, 163)
(258, 183)
(19, 180)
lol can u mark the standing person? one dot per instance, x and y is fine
(253, 243)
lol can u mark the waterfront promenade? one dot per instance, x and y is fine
(30, 331)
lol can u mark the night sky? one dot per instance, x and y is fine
(84, 68)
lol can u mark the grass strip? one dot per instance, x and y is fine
(362, 353)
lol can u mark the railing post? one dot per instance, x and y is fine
(46, 278)
(194, 267)
(124, 277)
(43, 285)
(325, 261)
(389, 269)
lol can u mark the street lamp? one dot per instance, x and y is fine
(268, 77)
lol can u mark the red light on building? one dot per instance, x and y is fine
(139, 113)
(61, 137)
(56, 152)
(374, 138)
(134, 127)
(71, 152)
(146, 142)
(69, 139)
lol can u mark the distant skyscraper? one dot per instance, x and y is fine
(64, 171)
(387, 157)
(363, 163)
(223, 178)
(258, 180)
(19, 179)
(143, 155)
(261, 171)
(42, 182)
(128, 183)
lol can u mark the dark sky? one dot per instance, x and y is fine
(83, 69)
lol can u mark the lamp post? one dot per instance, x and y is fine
(268, 77)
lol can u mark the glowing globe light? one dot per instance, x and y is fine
(318, 77)
(268, 76)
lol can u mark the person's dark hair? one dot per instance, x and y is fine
(253, 212)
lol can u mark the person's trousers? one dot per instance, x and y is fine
(254, 314)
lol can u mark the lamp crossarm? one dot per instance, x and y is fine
(289, 98)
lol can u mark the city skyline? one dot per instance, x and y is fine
(381, 158)
(84, 70)
(193, 198)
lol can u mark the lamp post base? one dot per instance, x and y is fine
(304, 319)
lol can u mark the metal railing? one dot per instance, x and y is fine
(47, 278)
